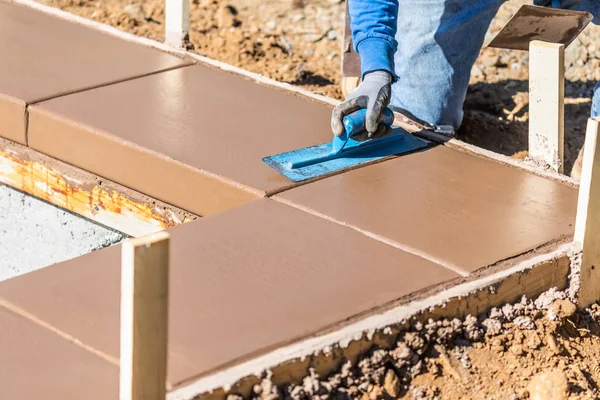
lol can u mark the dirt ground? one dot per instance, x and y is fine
(538, 350)
(299, 42)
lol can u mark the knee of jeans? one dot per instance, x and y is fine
(431, 115)
(595, 112)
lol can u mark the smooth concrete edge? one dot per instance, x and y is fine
(85, 194)
(223, 381)
(215, 193)
(13, 117)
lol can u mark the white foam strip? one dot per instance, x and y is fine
(229, 376)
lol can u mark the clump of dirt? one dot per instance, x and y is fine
(534, 349)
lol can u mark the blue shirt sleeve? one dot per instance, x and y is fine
(374, 24)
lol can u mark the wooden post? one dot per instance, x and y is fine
(144, 317)
(547, 103)
(587, 225)
(177, 22)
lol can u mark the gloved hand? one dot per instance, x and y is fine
(373, 94)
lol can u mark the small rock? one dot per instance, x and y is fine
(492, 326)
(226, 17)
(575, 52)
(415, 342)
(490, 60)
(476, 72)
(549, 385)
(524, 323)
(533, 341)
(554, 347)
(332, 34)
(517, 350)
(135, 11)
(418, 393)
(498, 349)
(563, 308)
(391, 383)
(376, 393)
(498, 345)
(257, 389)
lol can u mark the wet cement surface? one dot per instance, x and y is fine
(39, 364)
(35, 234)
(459, 210)
(206, 118)
(276, 273)
(61, 57)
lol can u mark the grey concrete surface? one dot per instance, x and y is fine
(35, 234)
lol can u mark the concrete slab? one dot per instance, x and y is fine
(44, 56)
(219, 124)
(36, 363)
(459, 210)
(243, 282)
(35, 234)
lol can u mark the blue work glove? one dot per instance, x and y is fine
(374, 94)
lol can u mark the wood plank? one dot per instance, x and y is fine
(144, 317)
(85, 194)
(587, 228)
(546, 103)
(177, 23)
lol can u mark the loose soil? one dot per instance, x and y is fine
(299, 42)
(543, 349)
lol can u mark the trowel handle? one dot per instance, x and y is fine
(355, 122)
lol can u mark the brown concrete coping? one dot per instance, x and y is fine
(44, 56)
(141, 133)
(242, 282)
(36, 363)
(455, 208)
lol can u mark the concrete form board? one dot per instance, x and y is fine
(44, 56)
(39, 364)
(242, 282)
(213, 121)
(462, 211)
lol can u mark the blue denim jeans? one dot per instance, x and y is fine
(438, 43)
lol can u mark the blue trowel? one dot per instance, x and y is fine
(345, 151)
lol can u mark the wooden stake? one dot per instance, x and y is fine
(587, 226)
(144, 317)
(177, 23)
(547, 103)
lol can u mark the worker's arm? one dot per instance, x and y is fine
(374, 25)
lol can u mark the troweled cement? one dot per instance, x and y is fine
(35, 234)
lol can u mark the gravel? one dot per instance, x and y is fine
(35, 234)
